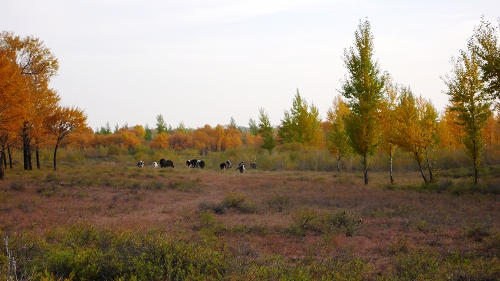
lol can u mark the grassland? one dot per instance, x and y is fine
(109, 220)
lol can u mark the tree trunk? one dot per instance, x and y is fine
(30, 164)
(4, 160)
(390, 164)
(365, 169)
(429, 166)
(422, 171)
(338, 164)
(2, 167)
(37, 156)
(25, 148)
(10, 156)
(55, 154)
(475, 170)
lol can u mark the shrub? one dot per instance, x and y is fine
(18, 186)
(233, 200)
(278, 202)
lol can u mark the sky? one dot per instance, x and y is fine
(199, 62)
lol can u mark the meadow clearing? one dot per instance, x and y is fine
(110, 220)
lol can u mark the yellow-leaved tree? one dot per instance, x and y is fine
(387, 121)
(471, 101)
(301, 124)
(337, 139)
(415, 128)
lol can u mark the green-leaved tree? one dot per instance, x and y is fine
(363, 89)
(470, 100)
(301, 124)
(266, 130)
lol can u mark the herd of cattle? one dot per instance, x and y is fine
(195, 163)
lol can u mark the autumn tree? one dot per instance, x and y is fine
(266, 130)
(160, 141)
(337, 138)
(179, 140)
(450, 134)
(14, 98)
(217, 136)
(363, 89)
(469, 98)
(485, 46)
(387, 121)
(202, 140)
(39, 65)
(232, 138)
(81, 139)
(415, 127)
(301, 124)
(63, 121)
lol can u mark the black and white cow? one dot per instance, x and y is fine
(226, 165)
(200, 164)
(140, 164)
(155, 165)
(241, 167)
(253, 165)
(166, 163)
(192, 163)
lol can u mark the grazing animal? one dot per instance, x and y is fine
(226, 165)
(140, 164)
(241, 167)
(166, 163)
(253, 165)
(200, 164)
(192, 163)
(170, 163)
(155, 165)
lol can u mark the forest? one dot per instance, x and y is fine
(327, 189)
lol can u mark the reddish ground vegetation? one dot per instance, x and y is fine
(317, 215)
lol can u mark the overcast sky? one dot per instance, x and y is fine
(202, 62)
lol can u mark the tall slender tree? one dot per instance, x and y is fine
(485, 46)
(363, 89)
(470, 100)
(388, 121)
(266, 130)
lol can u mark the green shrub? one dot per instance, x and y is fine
(304, 218)
(278, 202)
(233, 200)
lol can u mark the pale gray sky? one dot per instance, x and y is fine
(202, 62)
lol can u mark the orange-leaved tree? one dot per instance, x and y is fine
(160, 141)
(14, 98)
(63, 121)
(38, 65)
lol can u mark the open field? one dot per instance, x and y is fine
(259, 225)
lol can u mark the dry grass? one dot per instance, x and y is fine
(297, 215)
